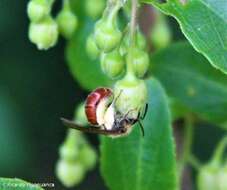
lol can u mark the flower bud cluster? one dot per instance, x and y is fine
(119, 58)
(44, 29)
(77, 156)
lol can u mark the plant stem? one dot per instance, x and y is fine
(188, 139)
(66, 4)
(194, 162)
(133, 24)
(51, 2)
(218, 153)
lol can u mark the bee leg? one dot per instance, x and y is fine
(141, 127)
(145, 112)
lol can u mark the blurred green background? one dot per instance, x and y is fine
(36, 89)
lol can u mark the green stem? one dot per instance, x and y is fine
(188, 139)
(133, 24)
(218, 153)
(111, 10)
(194, 162)
(51, 2)
(66, 4)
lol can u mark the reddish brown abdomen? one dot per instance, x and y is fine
(92, 102)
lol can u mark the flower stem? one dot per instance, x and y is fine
(51, 2)
(188, 139)
(66, 4)
(133, 24)
(218, 153)
(194, 162)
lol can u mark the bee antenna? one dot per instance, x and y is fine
(141, 127)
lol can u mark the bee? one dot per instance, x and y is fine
(103, 117)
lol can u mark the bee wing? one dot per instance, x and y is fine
(91, 129)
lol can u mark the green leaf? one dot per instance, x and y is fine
(191, 81)
(17, 184)
(85, 70)
(204, 23)
(143, 163)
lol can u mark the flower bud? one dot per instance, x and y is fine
(91, 48)
(67, 22)
(223, 178)
(68, 153)
(213, 175)
(44, 34)
(70, 173)
(139, 60)
(94, 8)
(70, 149)
(160, 34)
(88, 157)
(80, 115)
(140, 42)
(208, 178)
(107, 35)
(113, 64)
(38, 10)
(131, 96)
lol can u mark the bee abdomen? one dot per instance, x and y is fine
(92, 102)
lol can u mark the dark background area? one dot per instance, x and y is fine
(36, 89)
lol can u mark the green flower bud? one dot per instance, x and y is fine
(68, 153)
(208, 178)
(213, 175)
(44, 34)
(107, 35)
(140, 42)
(139, 60)
(132, 95)
(113, 64)
(69, 173)
(160, 34)
(80, 115)
(69, 150)
(88, 157)
(222, 178)
(91, 48)
(67, 22)
(38, 10)
(94, 8)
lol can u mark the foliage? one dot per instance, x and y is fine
(192, 81)
(148, 162)
(204, 23)
(105, 47)
(17, 184)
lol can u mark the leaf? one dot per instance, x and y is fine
(17, 184)
(188, 78)
(204, 23)
(85, 70)
(143, 163)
